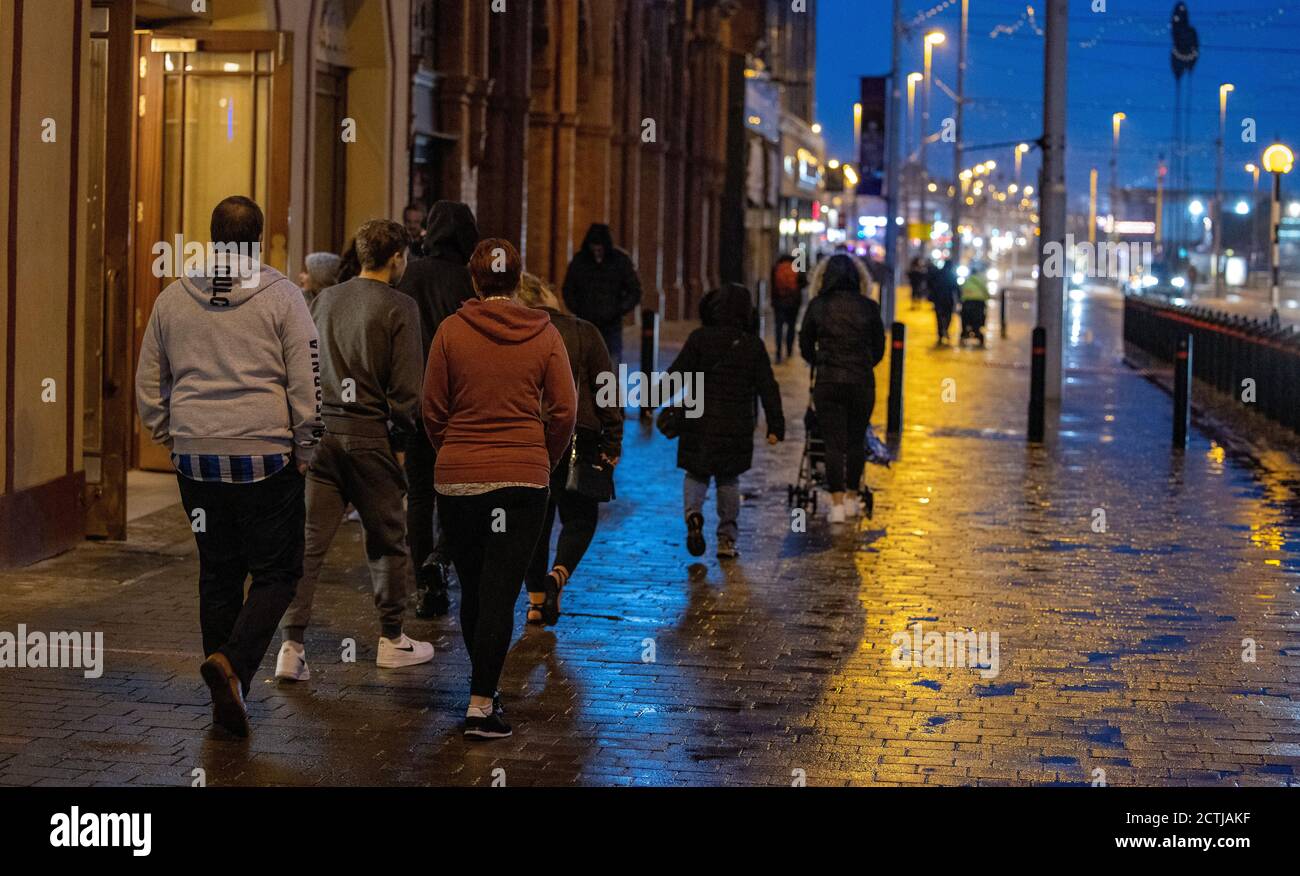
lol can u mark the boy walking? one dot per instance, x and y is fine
(227, 380)
(371, 374)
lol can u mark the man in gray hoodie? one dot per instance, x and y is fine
(371, 377)
(229, 381)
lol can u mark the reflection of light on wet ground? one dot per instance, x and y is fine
(1076, 322)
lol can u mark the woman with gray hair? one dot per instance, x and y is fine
(320, 271)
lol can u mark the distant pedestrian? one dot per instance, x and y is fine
(440, 284)
(320, 271)
(413, 219)
(974, 303)
(787, 285)
(918, 279)
(370, 377)
(585, 475)
(228, 380)
(946, 295)
(494, 367)
(843, 338)
(718, 444)
(601, 286)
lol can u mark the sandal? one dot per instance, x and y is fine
(534, 611)
(553, 584)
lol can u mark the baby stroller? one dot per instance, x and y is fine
(812, 464)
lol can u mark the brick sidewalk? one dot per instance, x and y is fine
(1118, 650)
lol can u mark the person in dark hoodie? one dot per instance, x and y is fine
(494, 367)
(597, 443)
(718, 443)
(227, 380)
(440, 283)
(602, 286)
(370, 377)
(843, 338)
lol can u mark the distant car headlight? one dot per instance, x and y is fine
(1078, 278)
(1149, 280)
(1178, 282)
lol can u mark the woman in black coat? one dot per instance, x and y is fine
(717, 429)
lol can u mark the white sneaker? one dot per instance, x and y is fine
(402, 652)
(851, 508)
(837, 514)
(291, 664)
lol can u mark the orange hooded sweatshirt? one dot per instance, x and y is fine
(493, 366)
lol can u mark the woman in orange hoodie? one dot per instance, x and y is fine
(492, 367)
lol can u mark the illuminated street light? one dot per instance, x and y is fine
(1278, 160)
(932, 39)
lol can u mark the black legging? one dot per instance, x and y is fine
(490, 538)
(578, 516)
(419, 499)
(843, 414)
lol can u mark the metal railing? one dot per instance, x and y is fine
(1241, 357)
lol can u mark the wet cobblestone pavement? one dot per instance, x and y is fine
(1119, 650)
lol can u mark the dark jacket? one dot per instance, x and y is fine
(601, 292)
(842, 335)
(590, 360)
(945, 291)
(736, 367)
(440, 282)
(370, 334)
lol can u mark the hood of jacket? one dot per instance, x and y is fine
(450, 232)
(840, 272)
(503, 320)
(598, 233)
(730, 306)
(248, 277)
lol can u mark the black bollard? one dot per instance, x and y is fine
(649, 355)
(1002, 311)
(1182, 392)
(898, 338)
(1038, 385)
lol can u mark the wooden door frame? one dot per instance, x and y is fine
(148, 162)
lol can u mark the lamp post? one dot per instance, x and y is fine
(1115, 119)
(1278, 160)
(1253, 169)
(1021, 149)
(912, 79)
(1215, 268)
(932, 39)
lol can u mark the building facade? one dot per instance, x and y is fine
(129, 119)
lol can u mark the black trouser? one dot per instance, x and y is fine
(613, 335)
(843, 414)
(943, 316)
(578, 516)
(247, 529)
(786, 317)
(491, 539)
(423, 538)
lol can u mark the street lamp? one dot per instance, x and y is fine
(1020, 151)
(912, 79)
(932, 39)
(1115, 119)
(1224, 90)
(1277, 160)
(1253, 169)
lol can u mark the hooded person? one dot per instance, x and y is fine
(717, 425)
(974, 303)
(601, 286)
(843, 339)
(440, 283)
(227, 380)
(499, 406)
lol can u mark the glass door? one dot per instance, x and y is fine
(214, 121)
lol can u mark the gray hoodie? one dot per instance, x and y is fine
(232, 371)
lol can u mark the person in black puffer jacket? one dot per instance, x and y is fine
(719, 444)
(439, 283)
(843, 338)
(602, 286)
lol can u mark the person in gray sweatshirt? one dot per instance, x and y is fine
(229, 381)
(371, 377)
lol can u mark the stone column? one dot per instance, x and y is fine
(674, 137)
(625, 143)
(654, 106)
(552, 138)
(503, 178)
(595, 121)
(461, 95)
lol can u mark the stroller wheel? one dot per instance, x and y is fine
(868, 503)
(789, 495)
(814, 501)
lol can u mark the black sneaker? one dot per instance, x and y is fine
(695, 534)
(727, 549)
(493, 726)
